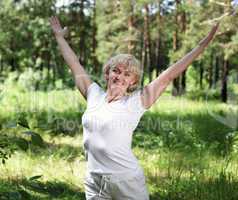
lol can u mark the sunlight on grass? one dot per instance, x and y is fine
(26, 165)
(182, 148)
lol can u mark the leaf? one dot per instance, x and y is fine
(37, 140)
(22, 143)
(23, 122)
(15, 196)
(24, 194)
(35, 177)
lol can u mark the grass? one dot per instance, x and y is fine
(186, 152)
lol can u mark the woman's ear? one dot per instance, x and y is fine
(133, 82)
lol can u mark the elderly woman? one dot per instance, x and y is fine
(113, 172)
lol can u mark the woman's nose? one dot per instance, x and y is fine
(119, 77)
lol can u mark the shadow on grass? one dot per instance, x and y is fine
(175, 130)
(61, 151)
(223, 187)
(25, 189)
(53, 122)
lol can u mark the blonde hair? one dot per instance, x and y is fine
(132, 64)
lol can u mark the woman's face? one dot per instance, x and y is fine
(120, 78)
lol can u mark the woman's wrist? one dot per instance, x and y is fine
(58, 36)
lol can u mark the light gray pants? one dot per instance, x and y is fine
(125, 186)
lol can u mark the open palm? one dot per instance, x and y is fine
(57, 28)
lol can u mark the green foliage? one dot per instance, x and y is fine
(9, 143)
(186, 152)
(6, 148)
(27, 189)
(35, 138)
(22, 143)
(30, 80)
(211, 94)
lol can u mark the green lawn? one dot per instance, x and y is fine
(185, 151)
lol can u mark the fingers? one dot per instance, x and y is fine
(57, 21)
(56, 27)
(54, 21)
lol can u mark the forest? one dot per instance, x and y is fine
(187, 142)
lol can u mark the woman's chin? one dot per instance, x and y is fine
(116, 84)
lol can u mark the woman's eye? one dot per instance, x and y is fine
(115, 70)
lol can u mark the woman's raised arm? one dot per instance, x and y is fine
(153, 90)
(82, 80)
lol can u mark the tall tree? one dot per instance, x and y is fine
(94, 39)
(146, 50)
(176, 85)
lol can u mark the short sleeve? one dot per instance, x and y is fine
(93, 92)
(135, 103)
(91, 89)
(94, 97)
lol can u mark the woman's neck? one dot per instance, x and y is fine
(114, 94)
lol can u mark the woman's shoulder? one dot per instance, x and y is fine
(135, 102)
(94, 90)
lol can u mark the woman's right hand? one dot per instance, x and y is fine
(57, 28)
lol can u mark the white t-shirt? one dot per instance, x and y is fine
(108, 130)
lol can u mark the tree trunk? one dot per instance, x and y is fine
(224, 80)
(158, 56)
(210, 72)
(147, 43)
(183, 79)
(183, 83)
(94, 42)
(130, 45)
(176, 86)
(216, 71)
(1, 65)
(201, 75)
(81, 33)
(142, 44)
